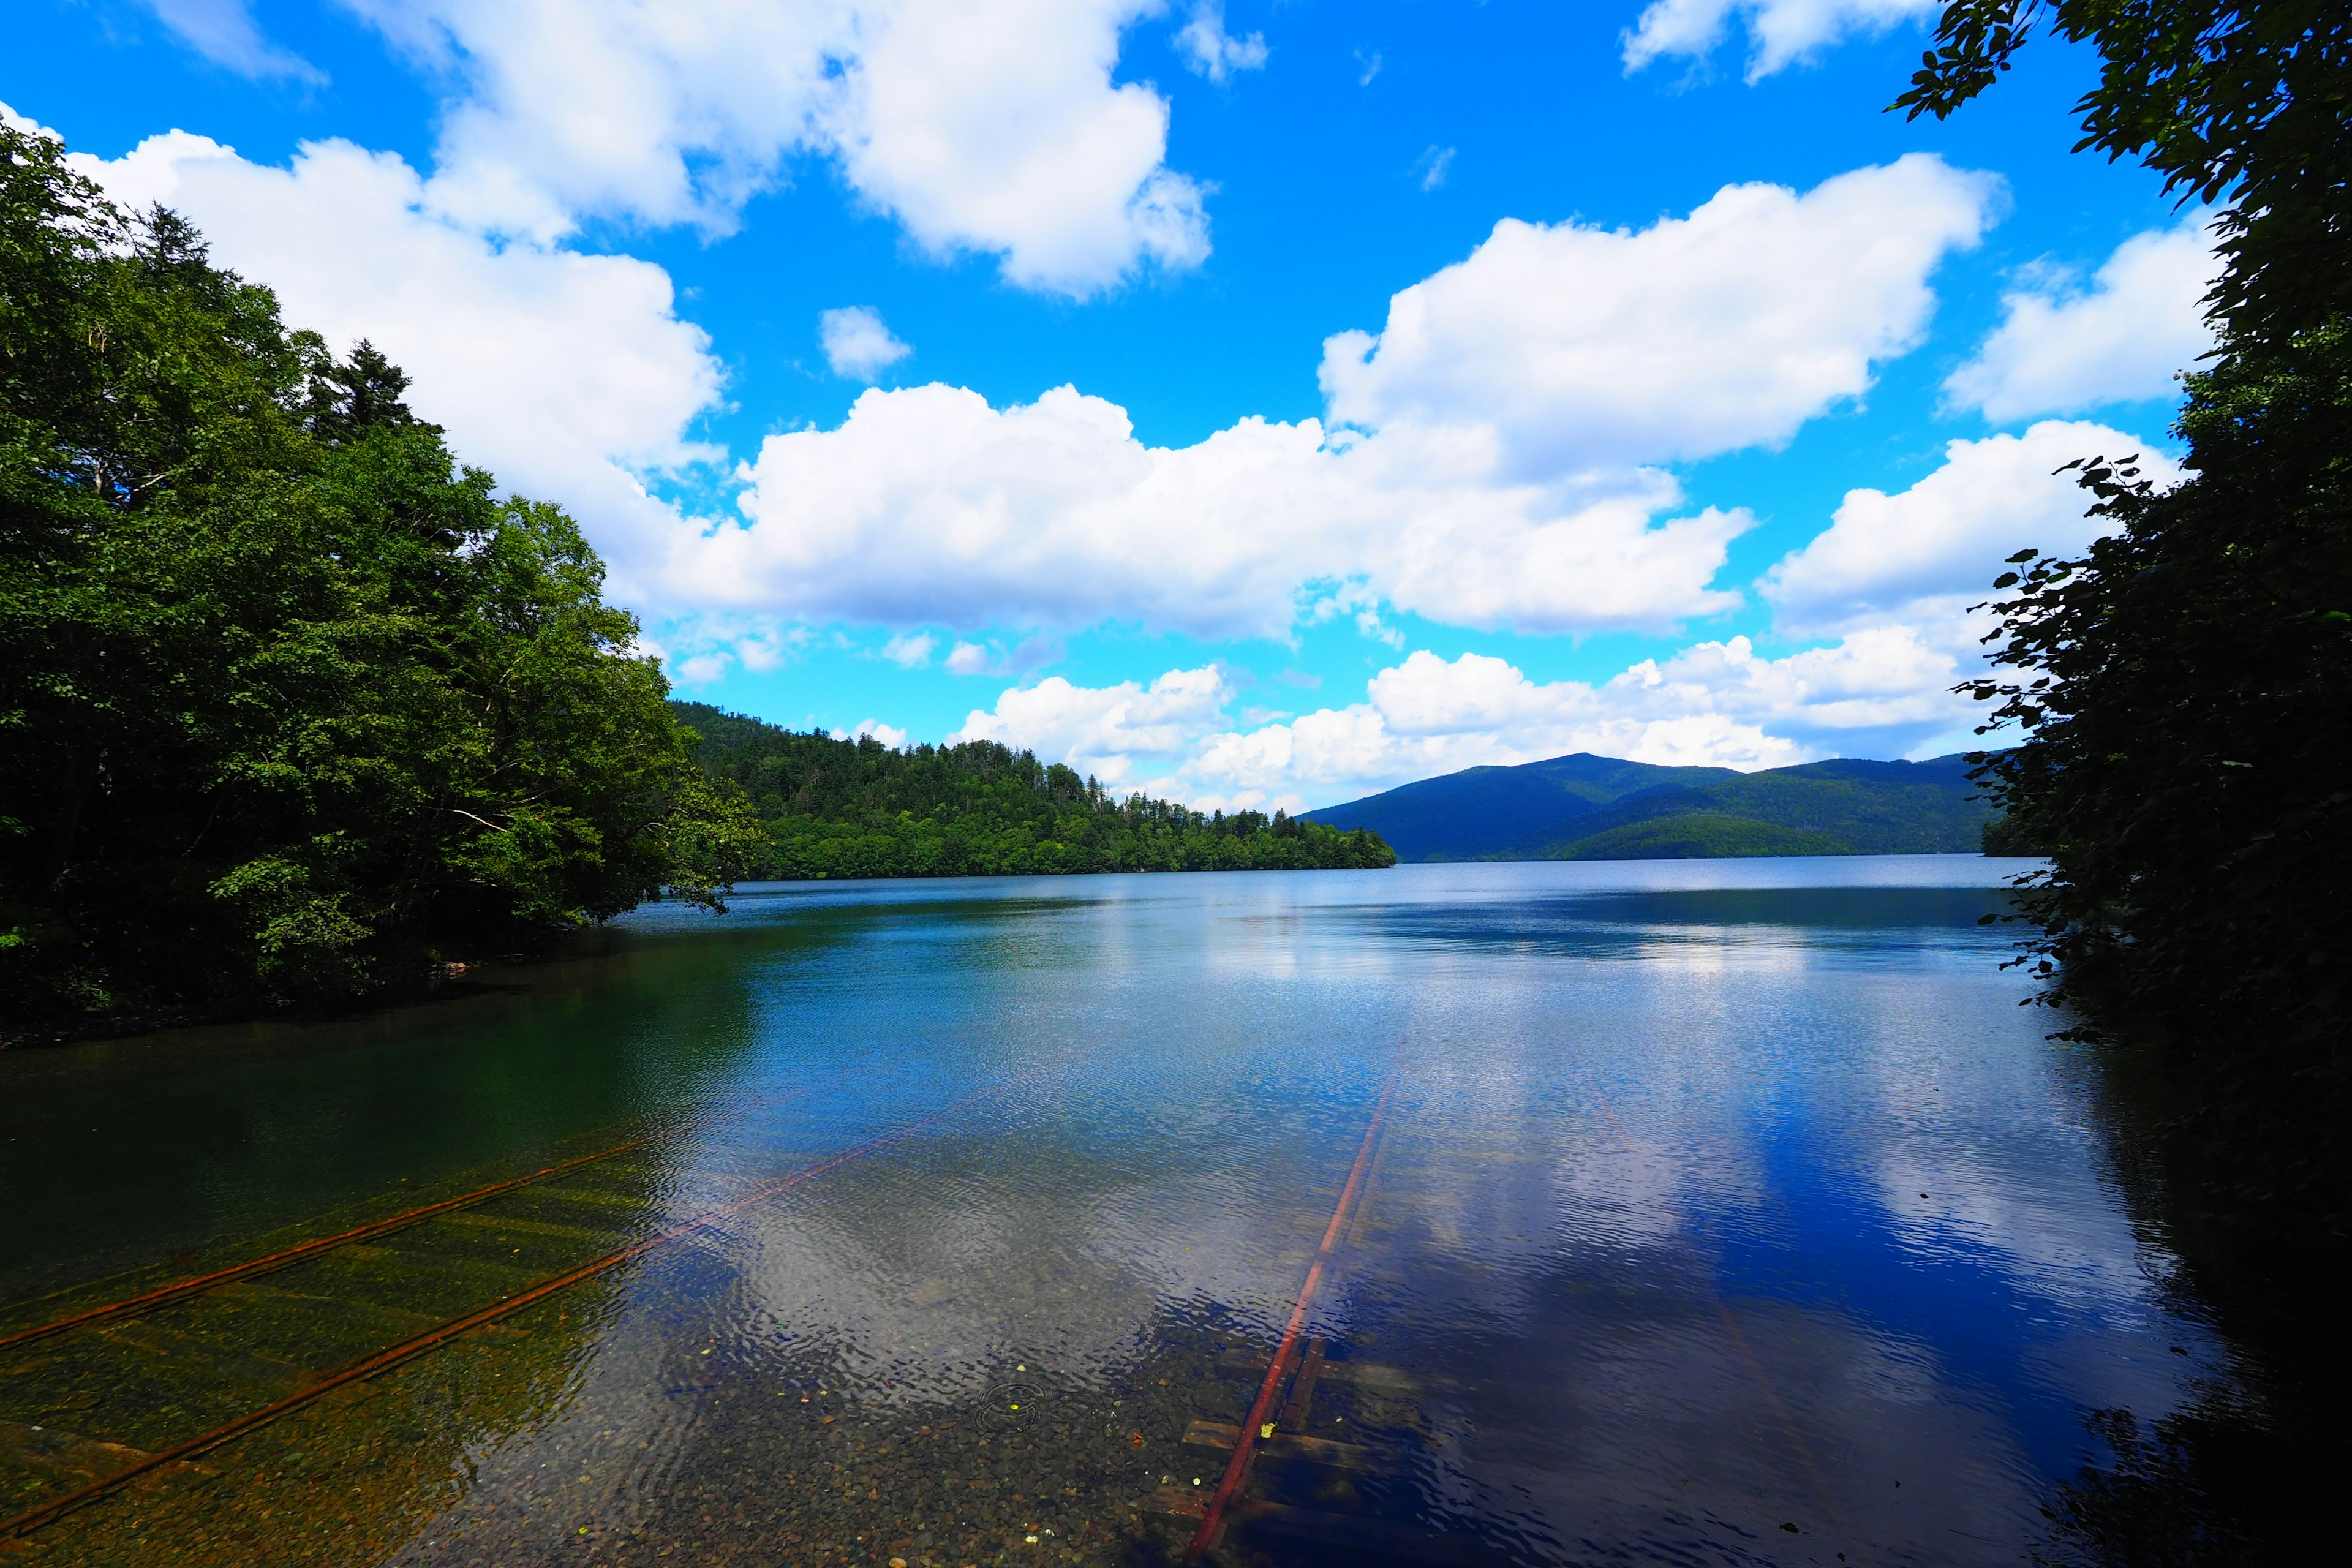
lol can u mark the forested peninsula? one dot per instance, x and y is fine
(853, 807)
(292, 707)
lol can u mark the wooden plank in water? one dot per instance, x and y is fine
(1302, 1388)
(1182, 1501)
(346, 1309)
(1284, 1446)
(503, 1225)
(1354, 1374)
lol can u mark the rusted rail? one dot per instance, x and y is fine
(1253, 1428)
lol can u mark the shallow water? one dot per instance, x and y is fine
(1720, 1211)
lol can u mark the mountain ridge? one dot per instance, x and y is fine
(1584, 807)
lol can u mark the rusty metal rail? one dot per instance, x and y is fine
(1252, 1429)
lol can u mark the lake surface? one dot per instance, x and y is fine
(1718, 1212)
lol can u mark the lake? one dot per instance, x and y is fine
(1689, 1211)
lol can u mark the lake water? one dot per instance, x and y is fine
(1718, 1212)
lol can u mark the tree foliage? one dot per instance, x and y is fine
(2242, 101)
(289, 703)
(2183, 689)
(844, 808)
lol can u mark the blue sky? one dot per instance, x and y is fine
(984, 368)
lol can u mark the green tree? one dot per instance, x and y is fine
(2188, 763)
(2243, 101)
(844, 808)
(291, 704)
(2181, 687)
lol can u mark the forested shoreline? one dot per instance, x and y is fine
(835, 807)
(292, 707)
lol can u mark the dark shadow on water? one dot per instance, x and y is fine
(2250, 1471)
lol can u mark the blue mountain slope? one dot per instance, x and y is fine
(1481, 812)
(1560, 808)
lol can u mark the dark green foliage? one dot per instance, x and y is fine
(286, 705)
(2244, 101)
(857, 808)
(1583, 807)
(2006, 835)
(2184, 689)
(1699, 835)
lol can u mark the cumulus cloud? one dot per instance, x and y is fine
(1212, 51)
(926, 506)
(223, 32)
(1730, 328)
(1497, 467)
(1105, 731)
(567, 375)
(1923, 555)
(2123, 337)
(1879, 691)
(989, 126)
(857, 343)
(1781, 33)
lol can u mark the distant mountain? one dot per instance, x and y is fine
(1583, 807)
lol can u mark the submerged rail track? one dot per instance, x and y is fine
(180, 1289)
(227, 1354)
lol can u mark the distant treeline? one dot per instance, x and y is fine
(835, 807)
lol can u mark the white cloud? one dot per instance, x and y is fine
(983, 125)
(1499, 473)
(967, 659)
(223, 32)
(1104, 731)
(1727, 329)
(1368, 65)
(1212, 51)
(1891, 580)
(1881, 690)
(2138, 324)
(1922, 556)
(567, 375)
(857, 343)
(1433, 167)
(911, 651)
(1781, 33)
(928, 507)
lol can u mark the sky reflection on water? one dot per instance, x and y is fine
(1715, 1198)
